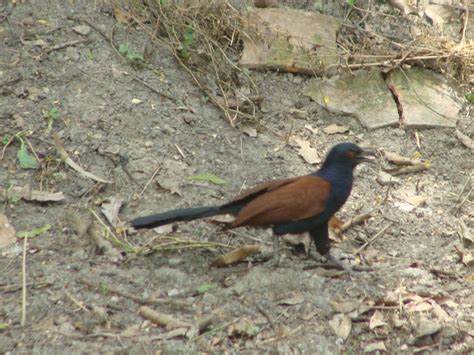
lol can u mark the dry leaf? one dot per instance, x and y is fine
(466, 140)
(344, 307)
(7, 232)
(378, 346)
(65, 156)
(310, 155)
(342, 325)
(403, 6)
(26, 193)
(297, 299)
(377, 320)
(236, 255)
(298, 113)
(439, 14)
(419, 307)
(397, 159)
(110, 209)
(427, 327)
(335, 129)
(249, 131)
(416, 201)
(243, 328)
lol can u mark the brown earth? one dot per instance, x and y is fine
(419, 298)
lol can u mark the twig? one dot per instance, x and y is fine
(15, 288)
(372, 239)
(464, 26)
(23, 282)
(162, 319)
(463, 201)
(74, 300)
(68, 44)
(180, 151)
(149, 181)
(354, 221)
(172, 302)
(153, 89)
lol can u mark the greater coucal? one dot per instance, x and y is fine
(295, 205)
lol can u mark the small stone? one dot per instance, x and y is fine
(386, 179)
(427, 327)
(83, 30)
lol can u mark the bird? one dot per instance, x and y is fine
(296, 205)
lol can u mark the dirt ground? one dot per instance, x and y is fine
(419, 298)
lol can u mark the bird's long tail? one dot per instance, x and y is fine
(185, 214)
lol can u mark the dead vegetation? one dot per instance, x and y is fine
(206, 39)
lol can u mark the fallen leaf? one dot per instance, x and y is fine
(34, 232)
(165, 229)
(243, 328)
(27, 161)
(342, 325)
(110, 209)
(249, 131)
(136, 101)
(427, 327)
(378, 346)
(296, 113)
(7, 232)
(377, 320)
(466, 140)
(386, 179)
(310, 155)
(26, 193)
(439, 14)
(344, 307)
(297, 299)
(335, 129)
(65, 156)
(206, 287)
(403, 6)
(419, 307)
(416, 201)
(397, 159)
(208, 177)
(237, 255)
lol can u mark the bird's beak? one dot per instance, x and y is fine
(366, 155)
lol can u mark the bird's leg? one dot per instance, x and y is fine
(320, 237)
(276, 252)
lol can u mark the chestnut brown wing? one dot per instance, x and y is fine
(297, 199)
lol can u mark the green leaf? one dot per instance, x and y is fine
(3, 326)
(206, 287)
(33, 232)
(135, 57)
(123, 49)
(208, 177)
(5, 140)
(14, 199)
(470, 97)
(27, 161)
(53, 114)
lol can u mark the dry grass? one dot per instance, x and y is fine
(205, 38)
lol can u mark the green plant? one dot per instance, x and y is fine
(186, 43)
(132, 57)
(351, 3)
(52, 116)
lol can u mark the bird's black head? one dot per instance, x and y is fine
(348, 154)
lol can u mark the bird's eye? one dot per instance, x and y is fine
(350, 154)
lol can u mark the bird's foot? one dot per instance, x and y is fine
(342, 261)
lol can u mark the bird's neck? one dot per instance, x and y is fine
(340, 176)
